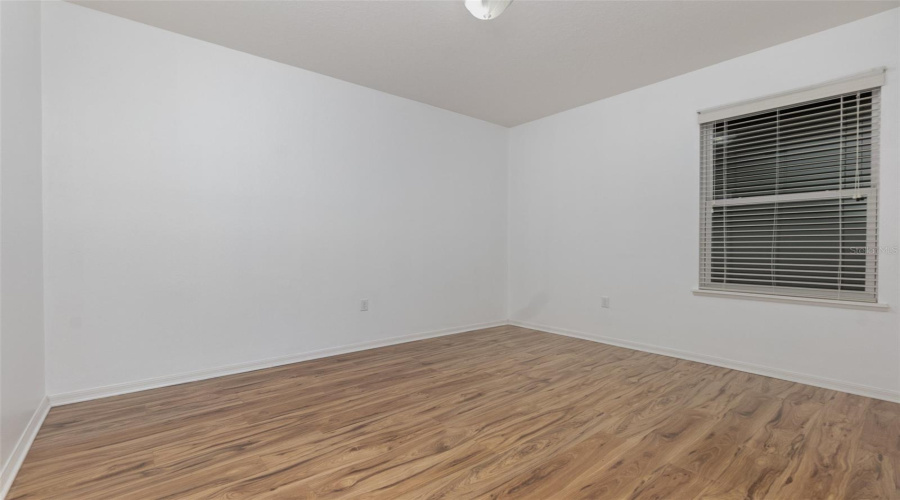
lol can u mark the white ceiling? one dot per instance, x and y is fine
(538, 58)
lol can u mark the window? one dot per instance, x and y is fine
(789, 198)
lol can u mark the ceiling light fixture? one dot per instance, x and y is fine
(487, 9)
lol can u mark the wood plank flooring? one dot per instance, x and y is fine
(498, 413)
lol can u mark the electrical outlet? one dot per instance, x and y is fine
(364, 305)
(604, 302)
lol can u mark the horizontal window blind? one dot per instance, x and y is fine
(789, 199)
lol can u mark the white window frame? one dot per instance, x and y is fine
(871, 80)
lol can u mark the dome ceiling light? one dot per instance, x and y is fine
(487, 9)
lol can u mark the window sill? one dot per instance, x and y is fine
(867, 306)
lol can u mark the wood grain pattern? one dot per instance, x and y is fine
(499, 413)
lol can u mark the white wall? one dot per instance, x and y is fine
(204, 207)
(21, 283)
(604, 200)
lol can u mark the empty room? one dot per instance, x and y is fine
(459, 249)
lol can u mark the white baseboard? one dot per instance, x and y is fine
(181, 378)
(9, 471)
(768, 371)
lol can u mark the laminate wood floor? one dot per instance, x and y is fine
(498, 413)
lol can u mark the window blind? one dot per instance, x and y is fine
(789, 199)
